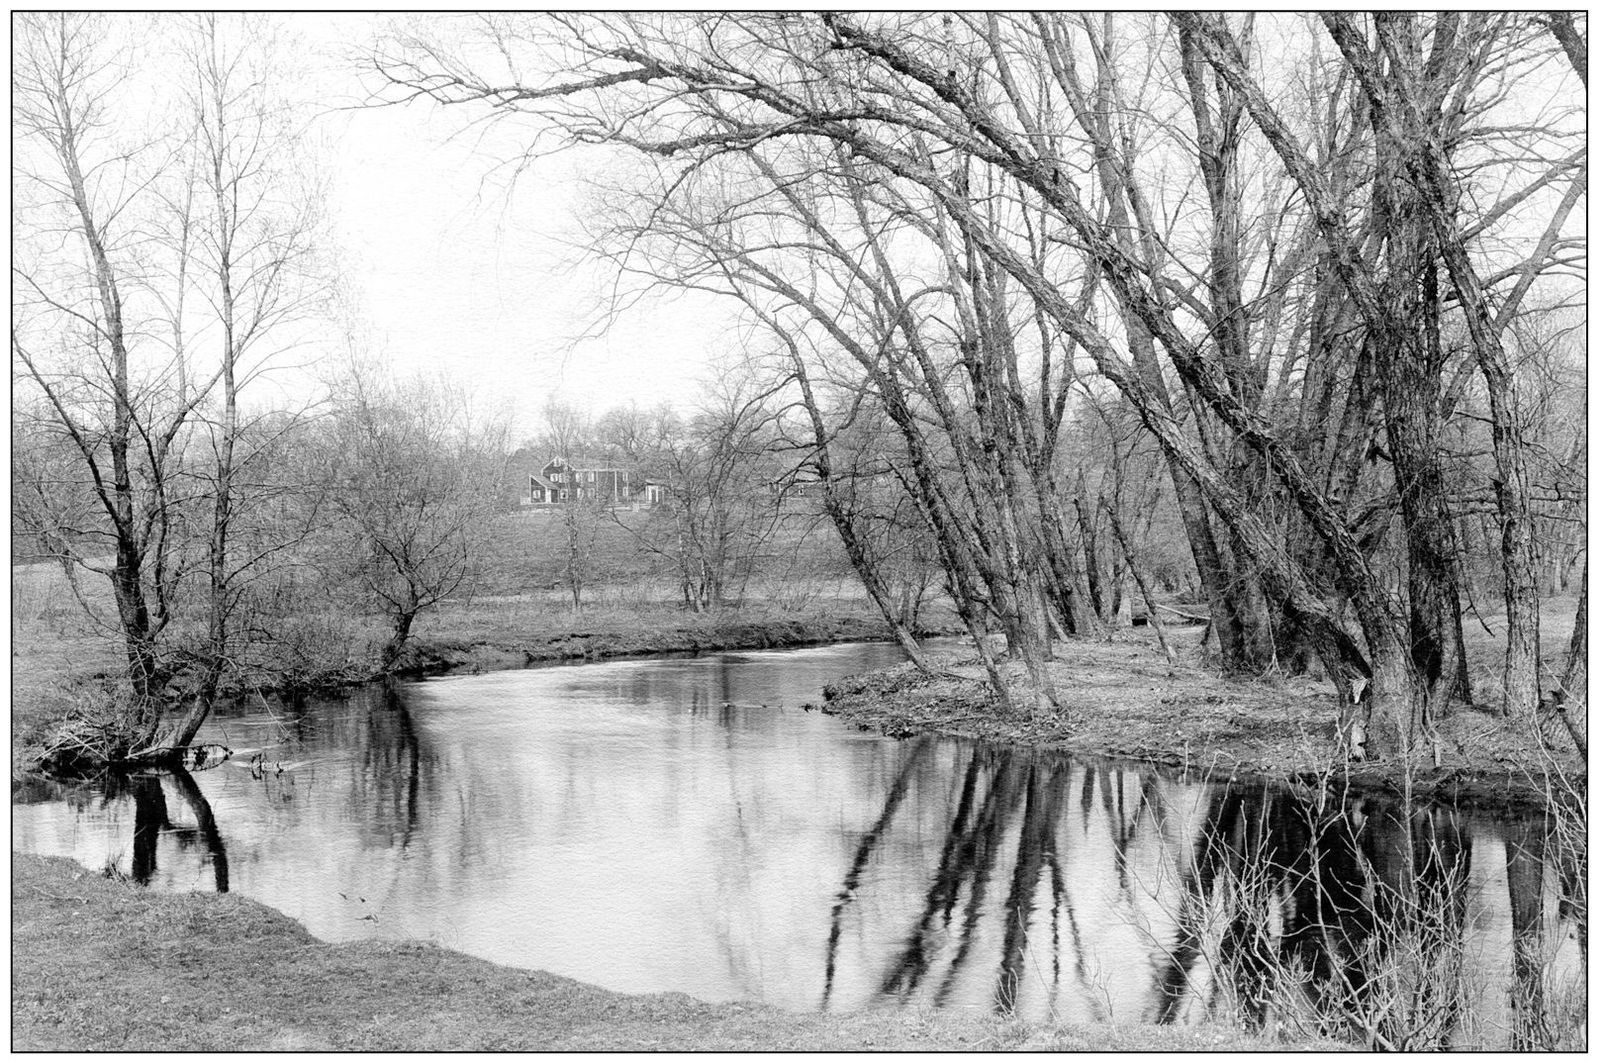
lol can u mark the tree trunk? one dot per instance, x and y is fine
(218, 569)
(1409, 368)
(127, 579)
(1427, 166)
(400, 632)
(1568, 700)
(871, 579)
(178, 733)
(1143, 584)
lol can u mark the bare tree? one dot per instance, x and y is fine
(569, 439)
(114, 418)
(1420, 113)
(722, 504)
(143, 243)
(413, 483)
(248, 222)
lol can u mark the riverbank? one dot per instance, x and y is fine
(591, 638)
(99, 964)
(1124, 699)
(57, 671)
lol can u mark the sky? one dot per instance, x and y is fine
(455, 272)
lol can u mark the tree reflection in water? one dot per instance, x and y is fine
(146, 792)
(390, 767)
(205, 832)
(656, 820)
(1342, 917)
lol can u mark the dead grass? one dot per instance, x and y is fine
(1118, 699)
(1123, 699)
(102, 965)
(539, 616)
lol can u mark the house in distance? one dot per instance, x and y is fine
(560, 481)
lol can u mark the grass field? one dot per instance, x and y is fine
(102, 965)
(526, 551)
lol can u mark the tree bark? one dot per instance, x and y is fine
(1429, 170)
(1143, 583)
(1569, 699)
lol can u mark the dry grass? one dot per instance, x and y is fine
(1122, 698)
(102, 965)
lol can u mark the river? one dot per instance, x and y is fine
(685, 824)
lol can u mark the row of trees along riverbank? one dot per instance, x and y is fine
(1307, 265)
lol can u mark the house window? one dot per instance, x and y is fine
(591, 477)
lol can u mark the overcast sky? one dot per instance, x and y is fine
(453, 271)
(456, 272)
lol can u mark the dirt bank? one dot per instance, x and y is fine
(435, 655)
(103, 965)
(1124, 699)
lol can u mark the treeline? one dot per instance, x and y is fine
(1324, 272)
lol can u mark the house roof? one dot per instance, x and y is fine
(578, 467)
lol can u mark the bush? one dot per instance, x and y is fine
(99, 724)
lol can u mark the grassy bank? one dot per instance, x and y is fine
(99, 964)
(503, 633)
(60, 667)
(1123, 698)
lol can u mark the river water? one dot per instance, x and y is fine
(684, 824)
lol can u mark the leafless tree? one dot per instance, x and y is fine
(721, 505)
(72, 333)
(569, 438)
(412, 482)
(246, 221)
(159, 252)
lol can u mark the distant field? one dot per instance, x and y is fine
(528, 550)
(522, 595)
(524, 561)
(41, 597)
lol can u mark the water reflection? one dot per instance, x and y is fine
(668, 825)
(103, 804)
(1342, 918)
